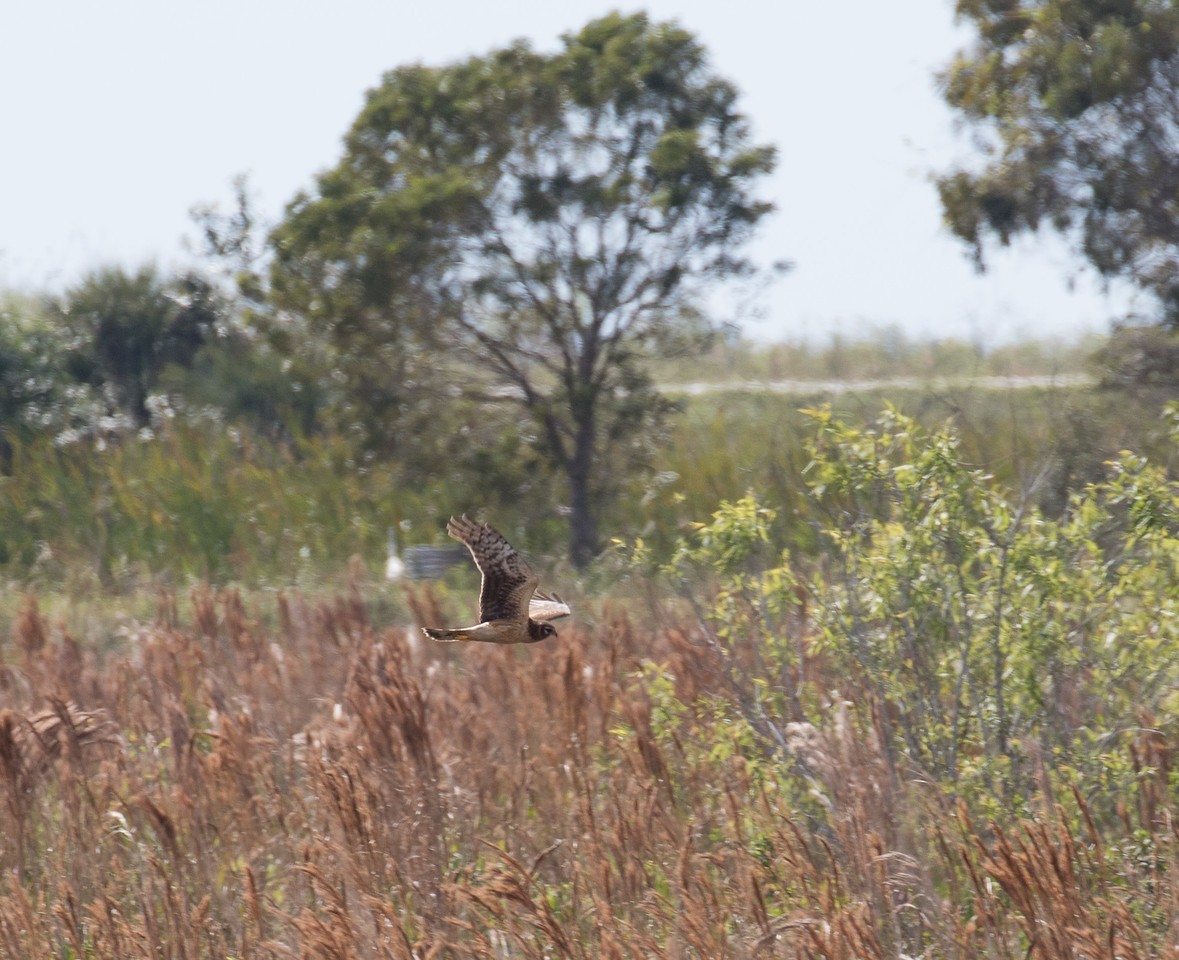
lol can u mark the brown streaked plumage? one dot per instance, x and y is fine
(510, 609)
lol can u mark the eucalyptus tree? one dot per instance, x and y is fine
(1077, 110)
(527, 229)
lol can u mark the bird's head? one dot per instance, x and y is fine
(540, 631)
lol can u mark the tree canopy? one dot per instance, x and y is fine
(124, 329)
(1078, 107)
(525, 228)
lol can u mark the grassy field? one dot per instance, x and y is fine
(913, 698)
(301, 781)
(885, 353)
(953, 736)
(206, 501)
(203, 503)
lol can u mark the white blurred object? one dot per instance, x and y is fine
(394, 567)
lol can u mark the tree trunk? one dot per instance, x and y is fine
(583, 521)
(583, 525)
(138, 403)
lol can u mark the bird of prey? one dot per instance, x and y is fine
(510, 609)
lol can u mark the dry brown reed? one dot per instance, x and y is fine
(327, 788)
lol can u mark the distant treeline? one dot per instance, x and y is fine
(150, 432)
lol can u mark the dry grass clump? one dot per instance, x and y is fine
(325, 788)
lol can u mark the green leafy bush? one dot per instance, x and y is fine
(999, 647)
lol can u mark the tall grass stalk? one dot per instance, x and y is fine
(330, 787)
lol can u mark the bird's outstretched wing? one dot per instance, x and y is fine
(544, 607)
(508, 580)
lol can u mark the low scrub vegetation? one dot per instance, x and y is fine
(947, 733)
(196, 501)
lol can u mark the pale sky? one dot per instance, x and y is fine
(118, 117)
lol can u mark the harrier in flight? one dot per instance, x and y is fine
(510, 609)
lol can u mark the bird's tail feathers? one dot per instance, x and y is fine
(446, 636)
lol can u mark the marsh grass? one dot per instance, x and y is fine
(882, 353)
(304, 781)
(194, 502)
(201, 502)
(285, 768)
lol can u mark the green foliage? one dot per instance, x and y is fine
(997, 642)
(739, 532)
(191, 502)
(33, 381)
(241, 393)
(1077, 104)
(527, 230)
(124, 329)
(238, 378)
(752, 620)
(122, 351)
